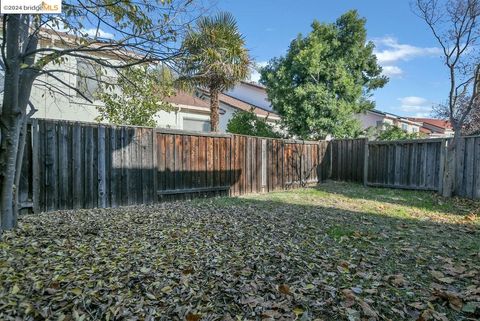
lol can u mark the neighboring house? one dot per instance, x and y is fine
(379, 119)
(435, 127)
(230, 104)
(69, 103)
(251, 93)
(54, 98)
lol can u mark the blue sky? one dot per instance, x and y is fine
(405, 47)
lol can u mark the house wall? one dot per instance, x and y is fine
(175, 119)
(60, 101)
(370, 119)
(251, 95)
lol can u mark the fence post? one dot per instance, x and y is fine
(35, 167)
(154, 166)
(365, 162)
(443, 160)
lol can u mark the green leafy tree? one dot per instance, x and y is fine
(215, 58)
(142, 31)
(247, 123)
(395, 133)
(139, 94)
(324, 79)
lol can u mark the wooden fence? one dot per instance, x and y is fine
(468, 168)
(414, 164)
(348, 159)
(72, 165)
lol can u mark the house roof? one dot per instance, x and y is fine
(425, 130)
(400, 118)
(440, 123)
(243, 105)
(183, 98)
(253, 84)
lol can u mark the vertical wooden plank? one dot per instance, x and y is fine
(222, 160)
(365, 162)
(114, 150)
(95, 166)
(88, 167)
(134, 168)
(170, 161)
(241, 164)
(188, 161)
(51, 163)
(62, 179)
(228, 163)
(469, 167)
(460, 169)
(161, 162)
(35, 166)
(476, 185)
(210, 162)
(101, 181)
(108, 166)
(397, 167)
(202, 161)
(216, 161)
(154, 168)
(178, 162)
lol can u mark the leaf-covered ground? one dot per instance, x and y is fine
(337, 252)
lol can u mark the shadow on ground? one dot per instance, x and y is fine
(299, 255)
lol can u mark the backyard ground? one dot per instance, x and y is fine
(336, 252)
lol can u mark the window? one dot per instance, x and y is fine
(405, 127)
(380, 124)
(196, 125)
(87, 79)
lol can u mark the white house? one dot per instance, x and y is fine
(251, 93)
(379, 119)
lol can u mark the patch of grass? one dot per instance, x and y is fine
(337, 232)
(336, 252)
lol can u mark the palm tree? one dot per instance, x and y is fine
(215, 58)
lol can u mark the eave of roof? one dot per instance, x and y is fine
(242, 105)
(255, 85)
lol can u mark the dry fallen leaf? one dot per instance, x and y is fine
(284, 289)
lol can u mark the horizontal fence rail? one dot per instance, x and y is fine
(70, 165)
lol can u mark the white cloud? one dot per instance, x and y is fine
(415, 106)
(389, 50)
(413, 101)
(392, 71)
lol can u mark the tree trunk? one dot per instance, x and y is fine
(214, 106)
(18, 166)
(10, 122)
(8, 161)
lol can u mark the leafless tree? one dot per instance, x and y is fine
(455, 26)
(141, 31)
